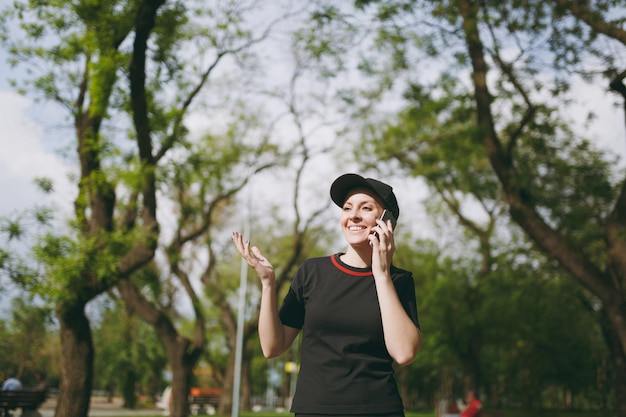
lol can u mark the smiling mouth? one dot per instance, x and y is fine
(356, 228)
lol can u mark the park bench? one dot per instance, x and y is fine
(10, 400)
(204, 400)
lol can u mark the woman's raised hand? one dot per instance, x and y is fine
(255, 259)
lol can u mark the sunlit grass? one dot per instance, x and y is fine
(285, 414)
(502, 413)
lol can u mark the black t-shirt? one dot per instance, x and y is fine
(344, 366)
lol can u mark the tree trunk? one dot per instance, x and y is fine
(407, 393)
(182, 353)
(618, 371)
(471, 358)
(246, 382)
(226, 400)
(129, 374)
(182, 373)
(76, 362)
(129, 388)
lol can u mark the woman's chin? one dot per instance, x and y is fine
(357, 243)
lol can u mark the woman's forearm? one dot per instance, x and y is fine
(275, 338)
(402, 337)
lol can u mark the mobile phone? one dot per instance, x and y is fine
(388, 215)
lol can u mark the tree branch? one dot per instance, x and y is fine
(522, 210)
(174, 136)
(582, 11)
(507, 69)
(616, 225)
(144, 249)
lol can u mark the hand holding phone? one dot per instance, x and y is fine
(387, 215)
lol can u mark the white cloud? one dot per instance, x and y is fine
(607, 130)
(24, 158)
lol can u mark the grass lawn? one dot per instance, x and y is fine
(554, 413)
(505, 413)
(287, 414)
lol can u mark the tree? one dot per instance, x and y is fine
(205, 182)
(600, 270)
(129, 357)
(561, 192)
(25, 336)
(112, 66)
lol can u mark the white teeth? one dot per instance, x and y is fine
(356, 228)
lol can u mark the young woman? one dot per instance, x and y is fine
(356, 310)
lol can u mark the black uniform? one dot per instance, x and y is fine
(345, 367)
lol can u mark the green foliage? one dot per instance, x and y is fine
(521, 318)
(29, 342)
(127, 350)
(434, 137)
(14, 265)
(45, 184)
(13, 229)
(324, 41)
(4, 257)
(65, 258)
(529, 314)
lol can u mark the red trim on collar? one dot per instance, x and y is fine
(342, 268)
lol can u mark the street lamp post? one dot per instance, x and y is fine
(243, 289)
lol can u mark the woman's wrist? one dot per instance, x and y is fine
(384, 276)
(268, 283)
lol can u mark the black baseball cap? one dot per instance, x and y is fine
(342, 186)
